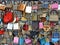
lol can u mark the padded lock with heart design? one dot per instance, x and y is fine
(46, 28)
(8, 17)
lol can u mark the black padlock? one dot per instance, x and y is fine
(15, 32)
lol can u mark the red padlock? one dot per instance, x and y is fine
(8, 17)
(1, 32)
(51, 24)
(25, 27)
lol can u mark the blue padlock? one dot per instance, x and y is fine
(45, 5)
(0, 20)
(54, 40)
(21, 41)
(42, 41)
(47, 18)
(55, 37)
(47, 43)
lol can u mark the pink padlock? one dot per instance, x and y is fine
(16, 40)
(28, 41)
(54, 6)
(40, 25)
(34, 7)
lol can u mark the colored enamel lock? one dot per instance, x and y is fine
(34, 7)
(0, 20)
(21, 41)
(55, 36)
(28, 41)
(42, 41)
(47, 43)
(8, 17)
(47, 17)
(16, 39)
(40, 25)
(1, 32)
(54, 6)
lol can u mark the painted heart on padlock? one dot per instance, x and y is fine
(8, 17)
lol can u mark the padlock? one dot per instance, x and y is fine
(40, 25)
(28, 8)
(21, 6)
(15, 32)
(8, 17)
(21, 41)
(28, 41)
(25, 27)
(54, 6)
(16, 39)
(42, 41)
